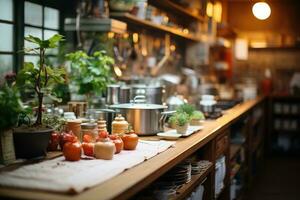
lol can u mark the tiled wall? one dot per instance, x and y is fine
(282, 62)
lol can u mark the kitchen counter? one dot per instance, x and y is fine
(130, 182)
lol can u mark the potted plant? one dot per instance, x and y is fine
(121, 5)
(10, 106)
(180, 121)
(32, 140)
(196, 118)
(91, 74)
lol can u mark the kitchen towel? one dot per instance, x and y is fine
(59, 175)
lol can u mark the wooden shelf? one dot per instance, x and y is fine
(133, 20)
(169, 6)
(288, 115)
(187, 188)
(234, 149)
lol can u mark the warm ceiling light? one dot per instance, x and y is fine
(261, 10)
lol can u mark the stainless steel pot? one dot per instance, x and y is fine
(146, 119)
(153, 94)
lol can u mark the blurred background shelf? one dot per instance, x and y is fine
(133, 20)
(170, 6)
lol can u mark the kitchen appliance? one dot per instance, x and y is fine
(113, 92)
(124, 96)
(174, 101)
(146, 118)
(153, 94)
(208, 103)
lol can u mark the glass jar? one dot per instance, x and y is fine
(89, 129)
(119, 125)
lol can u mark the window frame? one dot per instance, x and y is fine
(13, 23)
(18, 23)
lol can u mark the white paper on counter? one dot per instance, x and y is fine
(58, 175)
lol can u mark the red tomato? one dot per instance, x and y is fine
(53, 142)
(119, 144)
(66, 137)
(103, 134)
(87, 138)
(72, 151)
(88, 148)
(130, 141)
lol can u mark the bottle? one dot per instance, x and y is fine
(267, 82)
(119, 125)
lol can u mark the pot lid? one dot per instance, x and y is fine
(144, 106)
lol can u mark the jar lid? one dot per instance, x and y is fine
(119, 117)
(88, 125)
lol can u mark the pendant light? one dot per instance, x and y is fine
(261, 10)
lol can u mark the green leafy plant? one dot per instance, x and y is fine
(197, 115)
(179, 119)
(41, 77)
(54, 121)
(186, 108)
(10, 106)
(92, 73)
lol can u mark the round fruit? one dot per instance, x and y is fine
(103, 134)
(88, 148)
(53, 142)
(72, 151)
(66, 137)
(130, 141)
(119, 144)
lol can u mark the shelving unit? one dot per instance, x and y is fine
(133, 20)
(234, 150)
(196, 180)
(169, 6)
(284, 124)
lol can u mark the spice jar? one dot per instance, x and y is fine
(101, 125)
(119, 125)
(89, 129)
(74, 126)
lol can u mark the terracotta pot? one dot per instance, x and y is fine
(30, 142)
(181, 129)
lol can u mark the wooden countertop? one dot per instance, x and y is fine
(135, 179)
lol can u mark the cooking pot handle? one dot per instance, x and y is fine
(139, 99)
(163, 118)
(171, 112)
(107, 110)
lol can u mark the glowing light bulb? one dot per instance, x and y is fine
(261, 10)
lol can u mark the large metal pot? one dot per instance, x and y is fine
(153, 94)
(146, 119)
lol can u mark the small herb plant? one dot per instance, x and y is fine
(179, 119)
(41, 77)
(186, 108)
(92, 73)
(197, 115)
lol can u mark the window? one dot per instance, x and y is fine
(6, 39)
(40, 21)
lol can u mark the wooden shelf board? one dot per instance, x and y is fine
(131, 19)
(189, 187)
(169, 6)
(234, 149)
